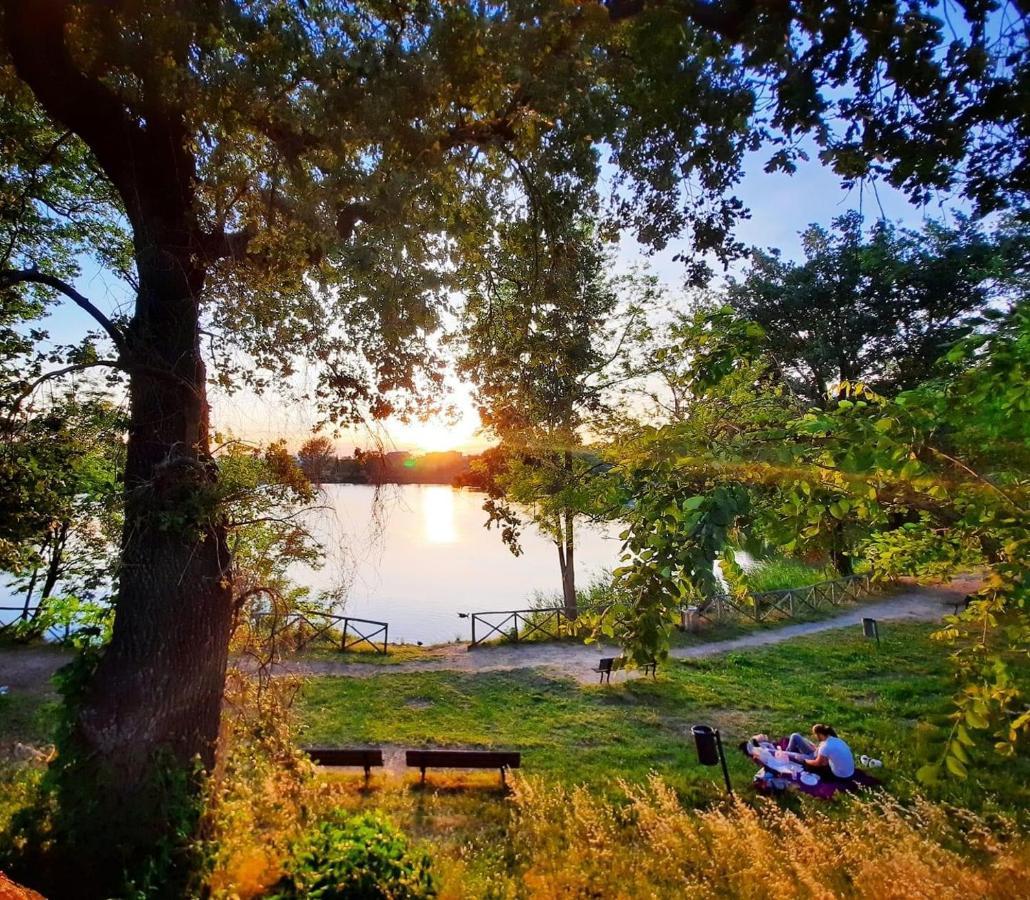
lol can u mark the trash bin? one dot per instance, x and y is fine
(707, 748)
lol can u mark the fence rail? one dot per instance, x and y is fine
(786, 602)
(517, 625)
(353, 631)
(54, 632)
(547, 622)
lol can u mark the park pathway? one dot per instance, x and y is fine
(29, 668)
(912, 603)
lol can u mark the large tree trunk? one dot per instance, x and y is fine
(145, 720)
(149, 715)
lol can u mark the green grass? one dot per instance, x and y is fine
(398, 653)
(878, 700)
(781, 573)
(27, 718)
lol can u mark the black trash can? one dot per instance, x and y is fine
(707, 748)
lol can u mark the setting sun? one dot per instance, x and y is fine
(458, 432)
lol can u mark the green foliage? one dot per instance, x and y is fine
(673, 537)
(881, 308)
(69, 621)
(782, 572)
(61, 509)
(927, 483)
(361, 857)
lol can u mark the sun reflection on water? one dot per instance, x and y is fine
(438, 526)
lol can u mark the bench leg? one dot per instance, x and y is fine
(368, 775)
(423, 776)
(503, 782)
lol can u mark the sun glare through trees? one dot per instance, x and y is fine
(419, 419)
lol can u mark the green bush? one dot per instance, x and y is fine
(780, 573)
(361, 858)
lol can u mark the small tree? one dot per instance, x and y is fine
(316, 457)
(548, 336)
(61, 471)
(880, 307)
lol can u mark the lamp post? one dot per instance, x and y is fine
(708, 743)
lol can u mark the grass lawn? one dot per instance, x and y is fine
(879, 700)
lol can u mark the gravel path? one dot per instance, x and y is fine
(29, 668)
(576, 661)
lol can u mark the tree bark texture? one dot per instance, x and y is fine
(149, 713)
(567, 562)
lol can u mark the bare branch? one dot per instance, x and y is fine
(11, 277)
(58, 373)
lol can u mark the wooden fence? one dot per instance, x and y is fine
(353, 631)
(549, 622)
(787, 602)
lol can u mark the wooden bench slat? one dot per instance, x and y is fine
(463, 759)
(345, 756)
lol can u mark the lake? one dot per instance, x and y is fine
(416, 555)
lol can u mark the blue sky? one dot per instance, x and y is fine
(781, 206)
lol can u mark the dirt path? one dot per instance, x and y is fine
(576, 661)
(30, 668)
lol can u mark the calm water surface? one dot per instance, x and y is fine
(416, 555)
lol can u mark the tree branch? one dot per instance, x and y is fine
(34, 34)
(57, 373)
(349, 214)
(11, 277)
(726, 19)
(129, 368)
(222, 244)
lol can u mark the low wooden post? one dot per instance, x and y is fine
(343, 638)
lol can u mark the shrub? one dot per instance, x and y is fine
(781, 573)
(261, 793)
(359, 858)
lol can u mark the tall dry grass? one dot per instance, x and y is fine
(547, 841)
(574, 844)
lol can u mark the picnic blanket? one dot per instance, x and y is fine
(768, 782)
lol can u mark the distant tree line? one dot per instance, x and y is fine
(318, 458)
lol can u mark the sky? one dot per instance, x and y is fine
(781, 207)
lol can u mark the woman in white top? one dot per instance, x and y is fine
(831, 758)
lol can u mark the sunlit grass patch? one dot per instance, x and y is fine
(362, 653)
(781, 572)
(594, 734)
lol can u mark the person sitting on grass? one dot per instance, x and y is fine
(831, 758)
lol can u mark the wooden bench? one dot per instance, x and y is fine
(605, 668)
(463, 759)
(365, 757)
(607, 664)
